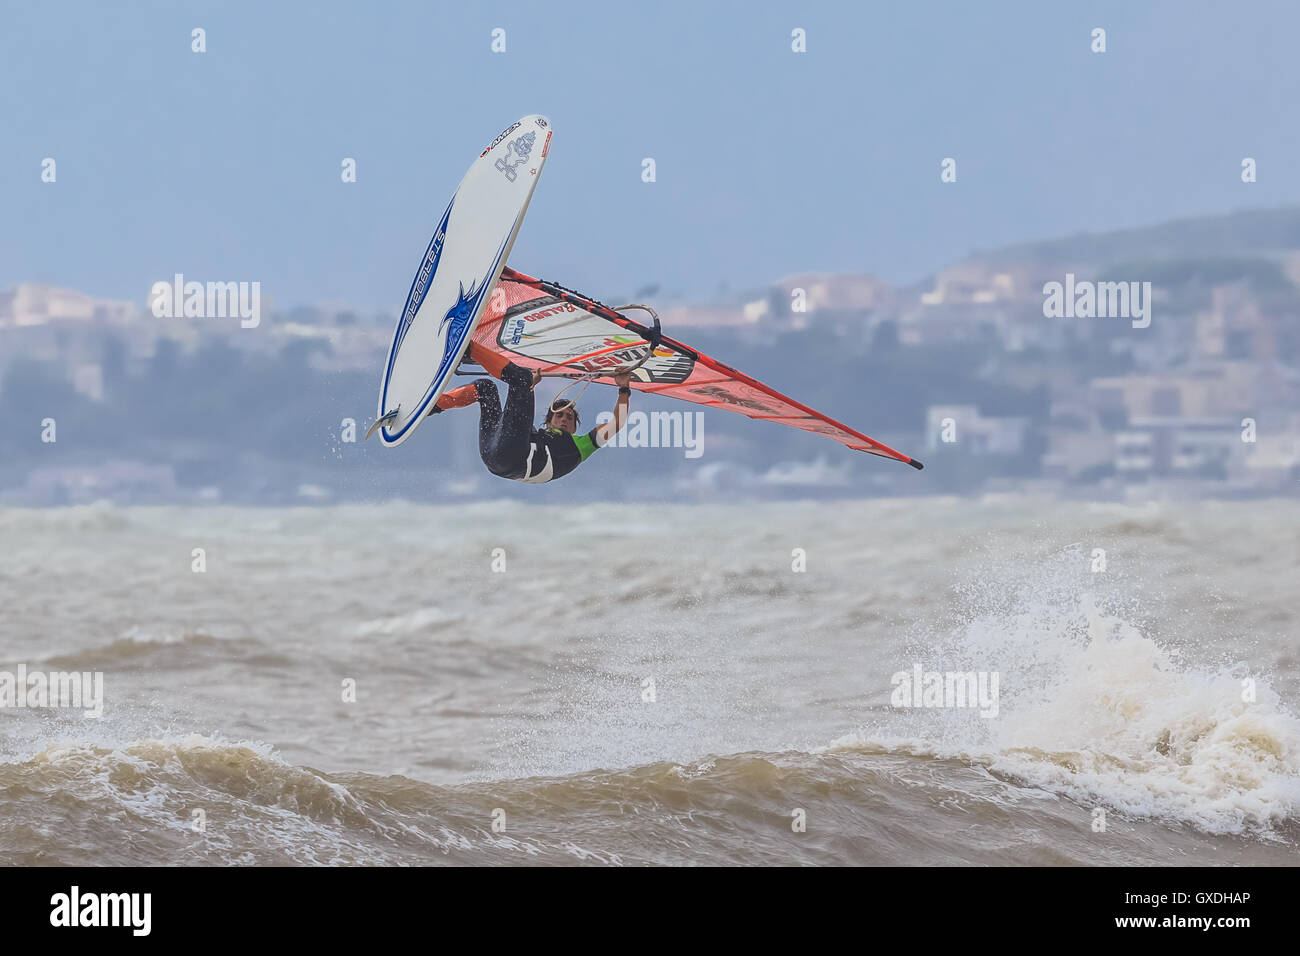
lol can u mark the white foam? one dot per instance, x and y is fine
(1094, 710)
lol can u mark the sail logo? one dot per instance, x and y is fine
(513, 333)
(521, 148)
(727, 398)
(546, 313)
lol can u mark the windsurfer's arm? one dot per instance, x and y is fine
(611, 428)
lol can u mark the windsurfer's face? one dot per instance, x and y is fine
(565, 419)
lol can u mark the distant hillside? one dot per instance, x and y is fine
(1252, 232)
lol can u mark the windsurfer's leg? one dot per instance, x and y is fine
(491, 361)
(517, 421)
(455, 398)
(489, 410)
(502, 449)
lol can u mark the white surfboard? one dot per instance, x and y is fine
(457, 275)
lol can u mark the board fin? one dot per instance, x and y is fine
(385, 420)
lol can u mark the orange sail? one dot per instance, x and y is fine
(542, 325)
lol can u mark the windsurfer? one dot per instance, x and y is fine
(509, 444)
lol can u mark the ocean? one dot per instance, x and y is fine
(502, 683)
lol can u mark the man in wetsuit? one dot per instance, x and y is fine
(507, 441)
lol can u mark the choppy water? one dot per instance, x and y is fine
(1159, 693)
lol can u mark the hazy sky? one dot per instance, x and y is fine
(225, 165)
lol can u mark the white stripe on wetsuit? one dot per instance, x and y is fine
(543, 475)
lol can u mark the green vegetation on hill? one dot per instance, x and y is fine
(1263, 275)
(1246, 233)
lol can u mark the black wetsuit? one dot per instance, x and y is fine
(509, 444)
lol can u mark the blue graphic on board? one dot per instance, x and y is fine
(458, 317)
